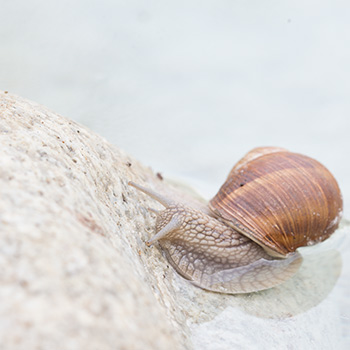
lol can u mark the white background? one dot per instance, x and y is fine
(188, 87)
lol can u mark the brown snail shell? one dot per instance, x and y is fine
(272, 202)
(279, 199)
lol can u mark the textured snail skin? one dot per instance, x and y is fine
(272, 203)
(214, 256)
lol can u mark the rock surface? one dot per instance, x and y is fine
(76, 274)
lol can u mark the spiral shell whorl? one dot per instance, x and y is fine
(281, 200)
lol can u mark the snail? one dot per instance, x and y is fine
(272, 202)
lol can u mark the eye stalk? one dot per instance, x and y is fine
(272, 202)
(159, 198)
(172, 225)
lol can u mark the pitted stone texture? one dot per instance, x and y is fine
(76, 273)
(71, 258)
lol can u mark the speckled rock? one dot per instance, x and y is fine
(76, 273)
(71, 257)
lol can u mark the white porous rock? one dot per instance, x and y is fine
(75, 272)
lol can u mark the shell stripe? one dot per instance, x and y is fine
(281, 200)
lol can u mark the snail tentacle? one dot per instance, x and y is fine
(246, 239)
(158, 197)
(171, 226)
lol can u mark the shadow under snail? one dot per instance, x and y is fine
(272, 202)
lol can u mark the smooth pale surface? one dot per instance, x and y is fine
(76, 273)
(188, 87)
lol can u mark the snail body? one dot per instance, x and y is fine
(272, 202)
